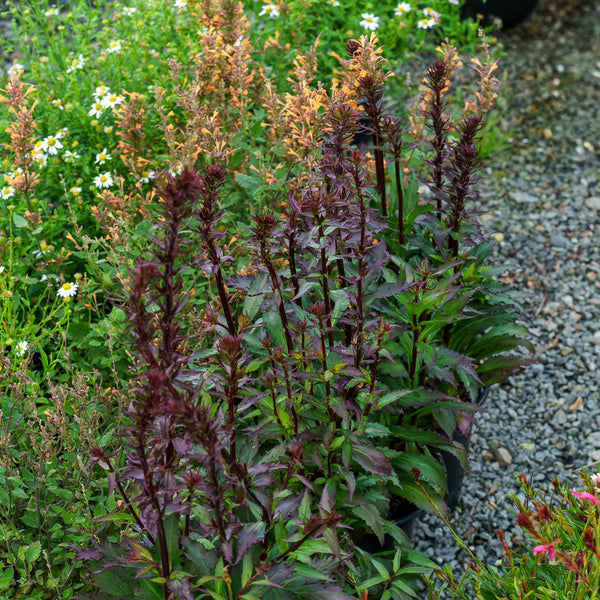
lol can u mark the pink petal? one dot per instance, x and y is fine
(586, 496)
(546, 548)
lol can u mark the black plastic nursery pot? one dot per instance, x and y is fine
(370, 542)
(455, 472)
(511, 12)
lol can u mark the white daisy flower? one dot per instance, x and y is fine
(22, 347)
(426, 23)
(75, 190)
(7, 192)
(104, 180)
(370, 21)
(102, 157)
(129, 10)
(176, 171)
(111, 100)
(114, 46)
(76, 63)
(58, 102)
(67, 290)
(147, 176)
(455, 2)
(40, 158)
(51, 144)
(53, 12)
(96, 110)
(270, 10)
(180, 4)
(101, 90)
(334, 2)
(71, 156)
(402, 9)
(14, 69)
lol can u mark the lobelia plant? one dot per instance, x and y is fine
(244, 463)
(459, 322)
(563, 529)
(271, 431)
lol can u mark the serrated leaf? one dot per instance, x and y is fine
(248, 536)
(372, 460)
(251, 183)
(370, 515)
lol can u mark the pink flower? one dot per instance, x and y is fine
(549, 548)
(586, 496)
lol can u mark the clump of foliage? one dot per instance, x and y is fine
(308, 326)
(300, 410)
(560, 559)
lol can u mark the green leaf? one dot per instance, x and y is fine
(6, 578)
(403, 587)
(19, 221)
(29, 518)
(370, 515)
(116, 517)
(431, 470)
(304, 511)
(374, 581)
(275, 326)
(255, 297)
(112, 582)
(341, 303)
(20, 493)
(172, 534)
(251, 183)
(397, 559)
(371, 460)
(308, 571)
(30, 553)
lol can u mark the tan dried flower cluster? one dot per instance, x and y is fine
(129, 123)
(21, 130)
(487, 82)
(220, 88)
(296, 119)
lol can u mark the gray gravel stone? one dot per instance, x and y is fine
(593, 202)
(503, 457)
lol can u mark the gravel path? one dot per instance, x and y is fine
(544, 200)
